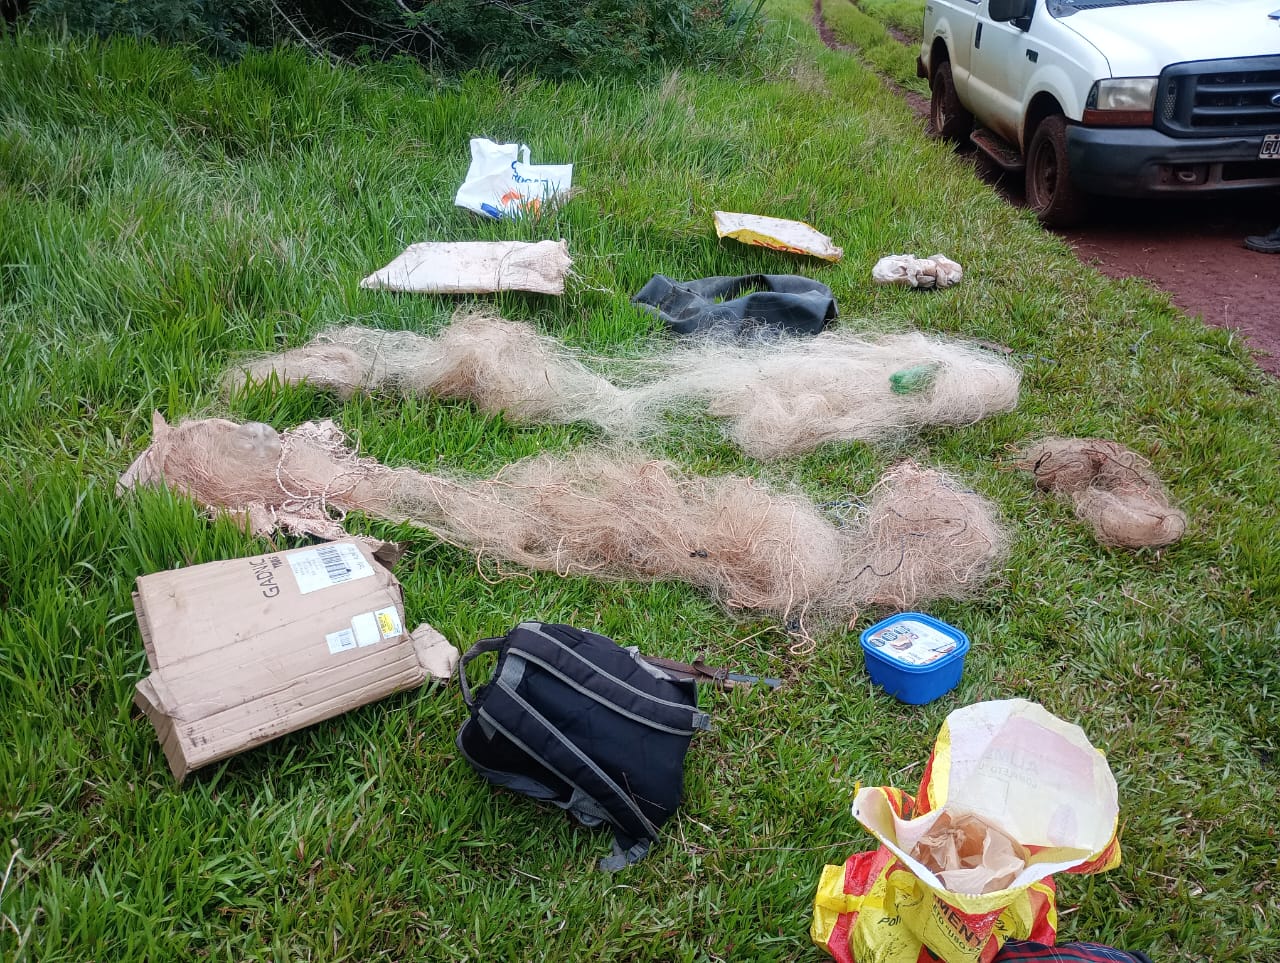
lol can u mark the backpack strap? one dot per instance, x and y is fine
(699, 671)
(480, 648)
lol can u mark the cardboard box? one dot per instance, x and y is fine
(246, 650)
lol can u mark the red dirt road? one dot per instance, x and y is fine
(1193, 250)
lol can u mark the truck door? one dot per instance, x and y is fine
(999, 69)
(960, 17)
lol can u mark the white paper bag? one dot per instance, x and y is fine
(502, 183)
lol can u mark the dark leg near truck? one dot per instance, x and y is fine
(1264, 243)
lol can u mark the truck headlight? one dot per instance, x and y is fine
(1121, 102)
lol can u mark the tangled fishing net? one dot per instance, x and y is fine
(1112, 488)
(606, 515)
(777, 397)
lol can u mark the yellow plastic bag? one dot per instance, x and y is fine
(1011, 765)
(777, 234)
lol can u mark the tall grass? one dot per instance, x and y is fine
(556, 38)
(161, 215)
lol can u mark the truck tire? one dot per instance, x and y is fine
(1050, 192)
(948, 118)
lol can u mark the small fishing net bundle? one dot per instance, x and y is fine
(607, 515)
(778, 397)
(924, 537)
(1112, 488)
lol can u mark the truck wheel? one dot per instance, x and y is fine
(948, 118)
(1050, 192)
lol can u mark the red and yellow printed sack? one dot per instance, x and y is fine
(1018, 768)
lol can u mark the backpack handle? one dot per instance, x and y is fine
(480, 648)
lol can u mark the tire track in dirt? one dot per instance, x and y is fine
(896, 33)
(1191, 249)
(917, 103)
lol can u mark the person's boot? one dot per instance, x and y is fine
(1265, 243)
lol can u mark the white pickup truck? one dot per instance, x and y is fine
(1110, 97)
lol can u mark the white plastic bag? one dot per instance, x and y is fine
(1020, 769)
(502, 183)
(1021, 793)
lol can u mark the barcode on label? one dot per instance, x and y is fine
(335, 566)
(328, 565)
(340, 641)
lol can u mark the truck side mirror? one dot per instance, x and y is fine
(1006, 10)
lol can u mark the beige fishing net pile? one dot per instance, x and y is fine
(606, 514)
(777, 397)
(1112, 488)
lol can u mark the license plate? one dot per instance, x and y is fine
(1270, 149)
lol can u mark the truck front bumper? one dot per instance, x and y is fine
(1140, 162)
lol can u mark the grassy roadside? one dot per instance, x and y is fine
(904, 16)
(160, 214)
(865, 26)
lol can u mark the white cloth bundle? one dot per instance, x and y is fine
(918, 272)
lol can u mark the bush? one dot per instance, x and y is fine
(221, 26)
(551, 37)
(564, 36)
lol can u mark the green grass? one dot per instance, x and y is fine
(904, 16)
(862, 26)
(160, 215)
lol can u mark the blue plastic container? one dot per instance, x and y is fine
(913, 657)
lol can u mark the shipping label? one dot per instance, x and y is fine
(328, 565)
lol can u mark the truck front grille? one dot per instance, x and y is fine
(1219, 97)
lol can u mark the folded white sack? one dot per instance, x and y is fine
(476, 267)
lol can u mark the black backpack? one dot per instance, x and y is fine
(573, 718)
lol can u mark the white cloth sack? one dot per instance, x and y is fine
(918, 272)
(502, 183)
(476, 267)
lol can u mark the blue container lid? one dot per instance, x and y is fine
(914, 642)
